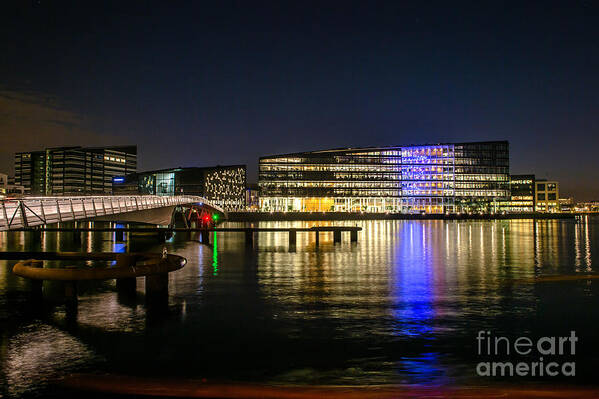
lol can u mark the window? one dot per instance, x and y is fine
(541, 187)
(541, 197)
(551, 197)
(165, 183)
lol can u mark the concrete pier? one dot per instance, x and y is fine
(126, 285)
(37, 285)
(155, 268)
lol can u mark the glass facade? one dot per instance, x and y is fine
(222, 185)
(73, 170)
(522, 199)
(165, 183)
(466, 177)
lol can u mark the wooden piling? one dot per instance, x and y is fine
(70, 291)
(35, 239)
(354, 236)
(77, 237)
(205, 237)
(249, 238)
(292, 239)
(337, 236)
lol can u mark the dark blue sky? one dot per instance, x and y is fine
(202, 83)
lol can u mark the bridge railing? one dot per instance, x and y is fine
(36, 211)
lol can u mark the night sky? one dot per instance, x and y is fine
(205, 83)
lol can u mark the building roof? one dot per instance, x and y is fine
(379, 148)
(190, 168)
(122, 148)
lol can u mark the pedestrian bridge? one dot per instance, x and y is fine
(37, 211)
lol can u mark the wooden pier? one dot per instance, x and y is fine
(164, 233)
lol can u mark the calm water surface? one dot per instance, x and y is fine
(402, 306)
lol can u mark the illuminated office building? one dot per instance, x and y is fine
(8, 189)
(441, 178)
(224, 186)
(547, 196)
(522, 188)
(73, 170)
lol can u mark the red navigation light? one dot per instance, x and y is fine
(206, 217)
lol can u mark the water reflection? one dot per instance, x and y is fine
(215, 255)
(401, 305)
(412, 284)
(38, 354)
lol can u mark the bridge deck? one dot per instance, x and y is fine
(37, 211)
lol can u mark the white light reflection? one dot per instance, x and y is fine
(40, 354)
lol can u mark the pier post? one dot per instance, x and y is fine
(292, 239)
(156, 286)
(317, 242)
(354, 236)
(70, 291)
(205, 237)
(126, 285)
(249, 238)
(35, 239)
(36, 285)
(76, 237)
(119, 235)
(336, 236)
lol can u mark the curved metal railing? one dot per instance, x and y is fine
(37, 211)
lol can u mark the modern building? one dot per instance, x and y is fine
(30, 172)
(8, 188)
(522, 198)
(588, 206)
(73, 170)
(252, 197)
(566, 205)
(439, 178)
(3, 185)
(222, 185)
(547, 196)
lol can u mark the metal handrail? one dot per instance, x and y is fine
(26, 212)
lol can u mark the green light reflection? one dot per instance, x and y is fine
(215, 256)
